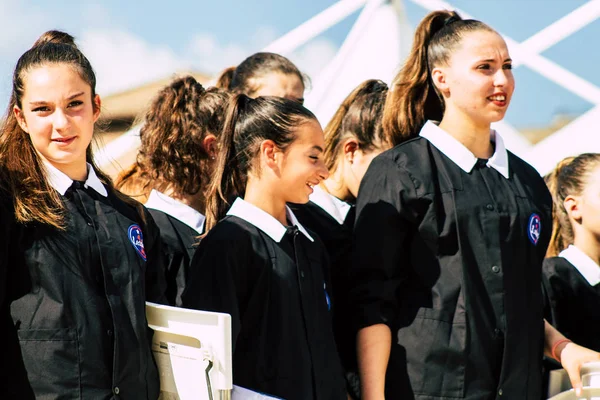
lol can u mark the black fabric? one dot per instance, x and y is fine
(82, 325)
(276, 296)
(178, 248)
(13, 376)
(338, 242)
(445, 259)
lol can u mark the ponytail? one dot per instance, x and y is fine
(414, 98)
(569, 178)
(359, 116)
(228, 181)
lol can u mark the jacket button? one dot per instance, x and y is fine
(302, 274)
(500, 392)
(495, 269)
(89, 224)
(116, 390)
(490, 207)
(109, 332)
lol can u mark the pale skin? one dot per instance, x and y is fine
(477, 85)
(351, 166)
(58, 113)
(288, 86)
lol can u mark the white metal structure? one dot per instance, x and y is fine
(378, 43)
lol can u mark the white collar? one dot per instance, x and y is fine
(263, 220)
(584, 264)
(61, 182)
(176, 209)
(457, 152)
(335, 207)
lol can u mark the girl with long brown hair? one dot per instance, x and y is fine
(258, 263)
(179, 144)
(571, 274)
(451, 232)
(91, 253)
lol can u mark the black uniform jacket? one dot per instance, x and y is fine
(82, 326)
(337, 238)
(178, 247)
(13, 377)
(271, 282)
(451, 261)
(572, 303)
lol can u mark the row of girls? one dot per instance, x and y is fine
(397, 255)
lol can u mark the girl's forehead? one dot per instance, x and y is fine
(53, 80)
(481, 44)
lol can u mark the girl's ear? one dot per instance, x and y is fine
(97, 107)
(269, 153)
(20, 119)
(209, 143)
(350, 148)
(571, 204)
(439, 78)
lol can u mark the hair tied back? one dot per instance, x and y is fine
(451, 20)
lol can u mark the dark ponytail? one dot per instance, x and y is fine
(249, 122)
(414, 99)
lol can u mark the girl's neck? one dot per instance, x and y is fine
(264, 197)
(475, 137)
(197, 201)
(75, 171)
(335, 186)
(589, 244)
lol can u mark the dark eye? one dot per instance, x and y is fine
(41, 109)
(507, 66)
(314, 157)
(75, 103)
(484, 66)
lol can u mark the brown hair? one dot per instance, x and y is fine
(172, 155)
(23, 173)
(244, 76)
(248, 122)
(414, 98)
(358, 116)
(224, 80)
(569, 178)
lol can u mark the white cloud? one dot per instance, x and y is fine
(122, 60)
(22, 24)
(210, 56)
(314, 56)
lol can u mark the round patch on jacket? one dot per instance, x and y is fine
(137, 240)
(534, 229)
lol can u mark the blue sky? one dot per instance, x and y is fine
(130, 43)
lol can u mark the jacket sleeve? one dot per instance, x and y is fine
(383, 220)
(156, 286)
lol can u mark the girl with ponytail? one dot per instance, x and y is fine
(571, 274)
(173, 168)
(451, 232)
(90, 254)
(258, 263)
(353, 137)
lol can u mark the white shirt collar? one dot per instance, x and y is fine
(176, 209)
(61, 182)
(335, 207)
(584, 264)
(460, 155)
(263, 220)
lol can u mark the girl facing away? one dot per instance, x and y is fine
(91, 254)
(258, 263)
(572, 273)
(451, 232)
(353, 138)
(179, 144)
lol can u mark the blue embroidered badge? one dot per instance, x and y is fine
(137, 240)
(534, 229)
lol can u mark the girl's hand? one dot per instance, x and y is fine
(572, 357)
